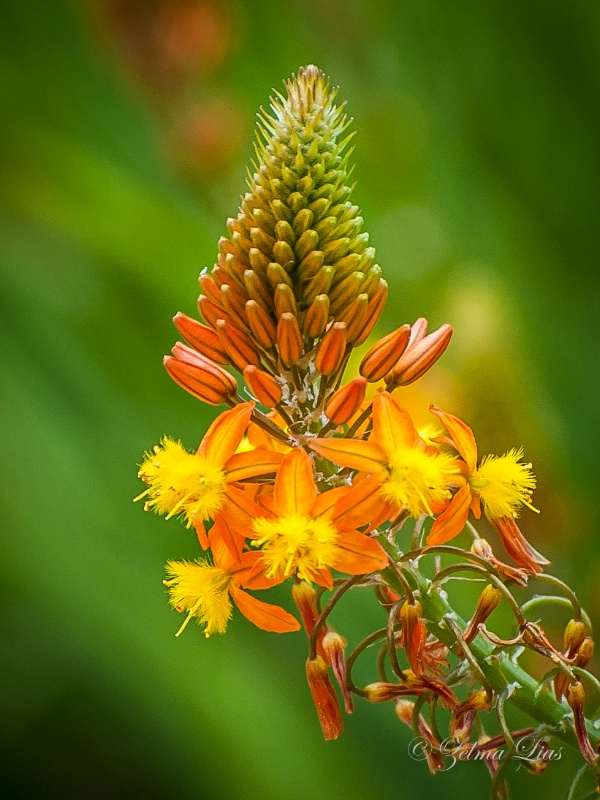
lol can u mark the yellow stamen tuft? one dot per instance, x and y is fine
(504, 484)
(182, 483)
(201, 590)
(296, 545)
(418, 480)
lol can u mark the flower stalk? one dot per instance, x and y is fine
(317, 482)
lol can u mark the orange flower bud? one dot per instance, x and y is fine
(257, 289)
(333, 649)
(316, 317)
(276, 274)
(354, 316)
(345, 292)
(325, 698)
(343, 404)
(414, 634)
(305, 598)
(319, 284)
(209, 287)
(284, 300)
(263, 386)
(199, 376)
(384, 354)
(331, 349)
(573, 637)
(233, 301)
(419, 357)
(201, 337)
(261, 325)
(289, 339)
(238, 345)
(211, 312)
(487, 602)
(374, 309)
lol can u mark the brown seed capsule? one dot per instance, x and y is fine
(238, 345)
(201, 337)
(263, 386)
(331, 349)
(199, 376)
(384, 354)
(289, 339)
(316, 317)
(345, 402)
(420, 357)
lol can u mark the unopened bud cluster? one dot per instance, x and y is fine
(328, 484)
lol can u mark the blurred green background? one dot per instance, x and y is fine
(125, 128)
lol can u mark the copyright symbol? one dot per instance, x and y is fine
(419, 748)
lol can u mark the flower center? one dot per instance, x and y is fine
(417, 481)
(296, 544)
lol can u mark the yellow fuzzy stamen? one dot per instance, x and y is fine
(417, 480)
(504, 484)
(201, 590)
(296, 545)
(182, 483)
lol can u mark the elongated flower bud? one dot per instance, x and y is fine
(488, 600)
(331, 349)
(343, 404)
(199, 376)
(325, 698)
(289, 339)
(384, 354)
(237, 345)
(263, 386)
(419, 357)
(201, 338)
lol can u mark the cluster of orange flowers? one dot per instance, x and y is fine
(315, 480)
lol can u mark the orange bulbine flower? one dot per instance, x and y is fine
(408, 474)
(206, 590)
(307, 534)
(502, 483)
(201, 485)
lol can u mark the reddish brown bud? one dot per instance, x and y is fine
(487, 602)
(420, 357)
(344, 403)
(575, 695)
(518, 547)
(201, 337)
(481, 547)
(374, 309)
(414, 634)
(289, 339)
(404, 711)
(325, 698)
(199, 376)
(461, 724)
(333, 649)
(381, 691)
(316, 317)
(238, 345)
(263, 386)
(384, 354)
(331, 349)
(305, 598)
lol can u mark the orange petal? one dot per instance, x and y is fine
(226, 544)
(358, 554)
(240, 509)
(353, 453)
(359, 504)
(224, 435)
(252, 463)
(518, 547)
(201, 533)
(255, 572)
(264, 615)
(392, 425)
(295, 488)
(461, 434)
(452, 521)
(325, 503)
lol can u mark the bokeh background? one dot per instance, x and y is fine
(125, 128)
